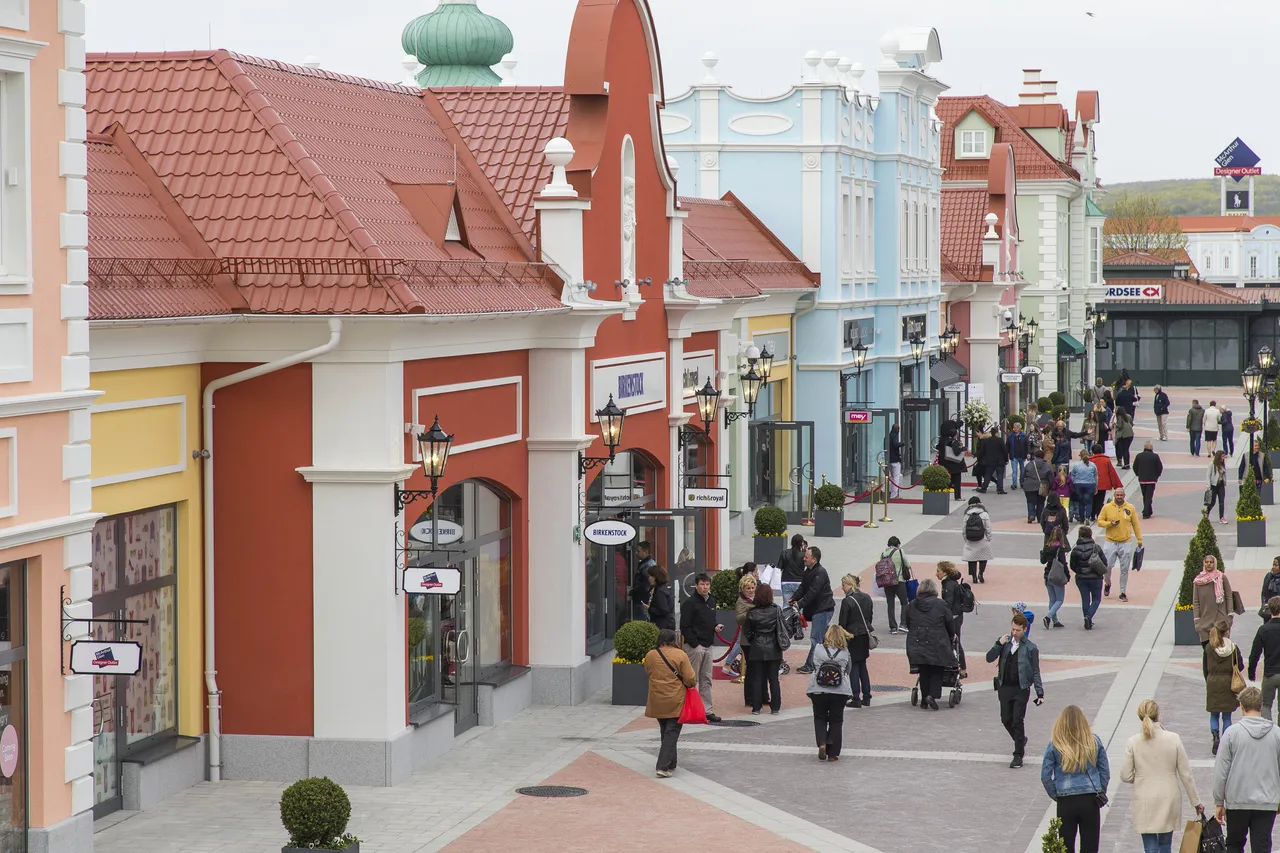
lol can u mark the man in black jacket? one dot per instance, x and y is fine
(698, 631)
(1019, 449)
(1148, 467)
(1127, 398)
(993, 456)
(1162, 413)
(815, 601)
(640, 588)
(895, 460)
(1017, 672)
(1266, 645)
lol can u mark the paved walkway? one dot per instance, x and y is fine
(910, 780)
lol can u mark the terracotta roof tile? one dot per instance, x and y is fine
(1181, 291)
(1138, 259)
(273, 160)
(1206, 224)
(726, 230)
(1032, 160)
(963, 212)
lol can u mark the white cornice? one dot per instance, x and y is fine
(46, 529)
(363, 476)
(41, 404)
(559, 445)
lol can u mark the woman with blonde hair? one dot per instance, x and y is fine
(1075, 774)
(829, 689)
(1154, 762)
(746, 595)
(1221, 663)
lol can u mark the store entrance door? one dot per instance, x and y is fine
(672, 532)
(782, 466)
(443, 661)
(862, 444)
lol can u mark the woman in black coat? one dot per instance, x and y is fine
(931, 631)
(661, 608)
(764, 653)
(949, 591)
(856, 610)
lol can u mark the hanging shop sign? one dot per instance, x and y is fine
(446, 532)
(94, 657)
(706, 498)
(1144, 292)
(857, 417)
(1032, 370)
(779, 343)
(1011, 378)
(432, 580)
(609, 532)
(638, 384)
(915, 404)
(954, 388)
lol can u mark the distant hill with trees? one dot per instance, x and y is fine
(1199, 197)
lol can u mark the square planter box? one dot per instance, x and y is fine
(768, 549)
(937, 503)
(354, 848)
(828, 523)
(1275, 459)
(1267, 493)
(1251, 534)
(630, 684)
(1184, 629)
(729, 619)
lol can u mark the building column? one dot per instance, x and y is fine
(562, 672)
(359, 620)
(984, 341)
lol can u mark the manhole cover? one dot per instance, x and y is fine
(552, 791)
(736, 724)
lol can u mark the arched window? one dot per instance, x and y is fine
(1208, 263)
(1253, 266)
(458, 641)
(1226, 263)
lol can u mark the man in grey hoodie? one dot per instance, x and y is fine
(1195, 426)
(1246, 776)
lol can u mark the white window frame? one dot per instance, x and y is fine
(928, 238)
(15, 163)
(859, 217)
(905, 237)
(1208, 262)
(1095, 255)
(973, 144)
(1226, 262)
(1253, 266)
(846, 231)
(871, 231)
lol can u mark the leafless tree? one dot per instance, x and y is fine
(1137, 222)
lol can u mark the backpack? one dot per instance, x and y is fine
(886, 571)
(830, 672)
(964, 597)
(974, 529)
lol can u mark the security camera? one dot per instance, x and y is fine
(1062, 286)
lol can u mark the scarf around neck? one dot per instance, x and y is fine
(1214, 577)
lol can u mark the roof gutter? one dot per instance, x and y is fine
(225, 319)
(210, 660)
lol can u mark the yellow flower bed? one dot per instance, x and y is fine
(1183, 607)
(1253, 518)
(620, 660)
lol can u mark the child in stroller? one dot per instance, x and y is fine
(950, 679)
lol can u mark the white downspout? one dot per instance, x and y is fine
(210, 668)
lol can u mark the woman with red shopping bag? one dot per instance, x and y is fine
(671, 682)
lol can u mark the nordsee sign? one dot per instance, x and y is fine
(609, 533)
(638, 384)
(1148, 292)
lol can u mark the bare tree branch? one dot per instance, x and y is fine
(1138, 222)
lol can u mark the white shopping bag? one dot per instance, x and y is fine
(1111, 449)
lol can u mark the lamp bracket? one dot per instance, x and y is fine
(68, 620)
(586, 463)
(404, 497)
(730, 417)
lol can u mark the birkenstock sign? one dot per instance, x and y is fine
(610, 533)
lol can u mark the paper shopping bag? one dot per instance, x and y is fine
(1190, 838)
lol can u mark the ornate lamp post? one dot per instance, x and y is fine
(1251, 378)
(611, 419)
(708, 398)
(1267, 363)
(433, 446)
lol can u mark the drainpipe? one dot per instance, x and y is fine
(210, 668)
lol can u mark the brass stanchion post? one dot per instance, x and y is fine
(871, 510)
(884, 490)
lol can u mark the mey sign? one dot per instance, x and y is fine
(433, 580)
(1150, 291)
(91, 657)
(610, 533)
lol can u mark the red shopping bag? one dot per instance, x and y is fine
(693, 712)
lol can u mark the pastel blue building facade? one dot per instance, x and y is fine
(851, 182)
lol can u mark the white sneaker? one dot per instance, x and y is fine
(664, 774)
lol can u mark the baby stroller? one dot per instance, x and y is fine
(950, 679)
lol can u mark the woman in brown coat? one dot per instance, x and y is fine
(670, 675)
(1222, 659)
(1210, 598)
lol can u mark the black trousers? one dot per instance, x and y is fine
(1122, 450)
(1219, 497)
(1229, 441)
(1080, 814)
(669, 728)
(930, 681)
(959, 623)
(758, 672)
(828, 720)
(977, 568)
(1099, 499)
(747, 682)
(955, 483)
(1148, 498)
(1256, 824)
(898, 593)
(1013, 715)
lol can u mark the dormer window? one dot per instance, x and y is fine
(973, 143)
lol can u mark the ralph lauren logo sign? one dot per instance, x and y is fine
(630, 385)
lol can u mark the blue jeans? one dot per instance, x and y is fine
(1057, 595)
(1157, 842)
(1082, 503)
(1215, 717)
(1195, 442)
(1090, 594)
(733, 652)
(817, 630)
(1015, 471)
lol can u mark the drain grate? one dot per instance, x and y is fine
(888, 688)
(736, 724)
(552, 791)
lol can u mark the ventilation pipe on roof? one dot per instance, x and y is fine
(312, 61)
(509, 64)
(210, 660)
(1049, 91)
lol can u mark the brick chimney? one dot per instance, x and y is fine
(1031, 92)
(1049, 91)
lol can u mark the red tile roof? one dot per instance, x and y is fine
(963, 215)
(1209, 224)
(724, 242)
(274, 160)
(1138, 259)
(1033, 161)
(1181, 291)
(506, 129)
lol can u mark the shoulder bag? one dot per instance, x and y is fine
(1237, 678)
(873, 642)
(1099, 796)
(693, 712)
(780, 632)
(1043, 491)
(1237, 604)
(1057, 570)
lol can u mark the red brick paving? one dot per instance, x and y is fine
(623, 811)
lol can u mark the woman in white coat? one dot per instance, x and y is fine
(1154, 762)
(977, 539)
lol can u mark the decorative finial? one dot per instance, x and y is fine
(559, 152)
(991, 220)
(710, 60)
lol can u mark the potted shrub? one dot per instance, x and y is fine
(828, 517)
(936, 482)
(1051, 841)
(1204, 542)
(724, 591)
(770, 535)
(1251, 524)
(631, 643)
(316, 811)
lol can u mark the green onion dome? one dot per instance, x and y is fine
(457, 44)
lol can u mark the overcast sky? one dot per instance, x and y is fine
(1179, 79)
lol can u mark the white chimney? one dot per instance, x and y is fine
(1049, 91)
(1031, 91)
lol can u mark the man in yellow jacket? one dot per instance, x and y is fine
(1119, 519)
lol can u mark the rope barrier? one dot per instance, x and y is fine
(851, 499)
(729, 642)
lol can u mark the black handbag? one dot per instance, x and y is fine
(1211, 839)
(1099, 796)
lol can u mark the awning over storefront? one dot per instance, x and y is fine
(948, 372)
(1068, 347)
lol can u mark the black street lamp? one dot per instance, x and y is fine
(917, 347)
(1251, 378)
(708, 398)
(433, 446)
(1267, 363)
(750, 383)
(766, 362)
(611, 418)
